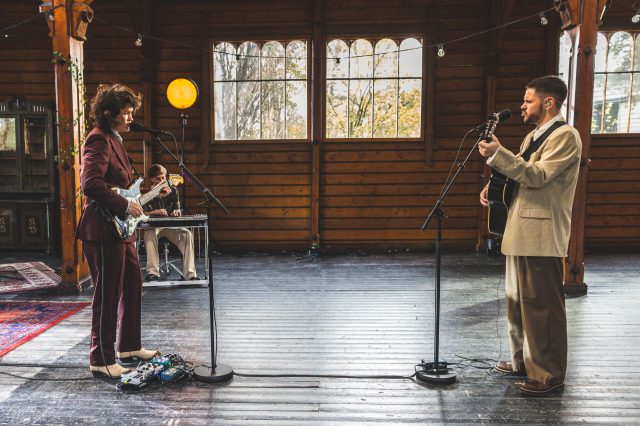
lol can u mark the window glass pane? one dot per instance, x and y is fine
(619, 55)
(272, 61)
(361, 59)
(598, 98)
(273, 110)
(248, 110)
(296, 109)
(636, 61)
(410, 58)
(409, 108)
(634, 124)
(7, 137)
(297, 60)
(248, 61)
(336, 107)
(601, 54)
(224, 62)
(386, 59)
(337, 59)
(564, 58)
(360, 108)
(224, 104)
(616, 107)
(385, 108)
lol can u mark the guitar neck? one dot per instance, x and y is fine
(153, 193)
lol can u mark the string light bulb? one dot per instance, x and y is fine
(441, 51)
(543, 19)
(138, 41)
(636, 18)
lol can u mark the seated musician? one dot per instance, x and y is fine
(166, 204)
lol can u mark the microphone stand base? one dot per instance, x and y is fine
(222, 373)
(436, 376)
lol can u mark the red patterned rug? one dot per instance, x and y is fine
(22, 321)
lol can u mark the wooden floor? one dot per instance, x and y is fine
(342, 315)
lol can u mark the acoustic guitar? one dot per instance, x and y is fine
(501, 188)
(499, 194)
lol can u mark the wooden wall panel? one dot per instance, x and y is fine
(372, 195)
(25, 55)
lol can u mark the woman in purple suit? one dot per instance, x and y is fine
(113, 261)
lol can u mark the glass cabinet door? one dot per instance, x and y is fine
(8, 155)
(36, 166)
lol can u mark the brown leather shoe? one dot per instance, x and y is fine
(506, 367)
(533, 387)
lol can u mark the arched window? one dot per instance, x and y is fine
(373, 89)
(260, 90)
(616, 89)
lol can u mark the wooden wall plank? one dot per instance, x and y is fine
(378, 186)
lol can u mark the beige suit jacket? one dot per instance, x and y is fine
(539, 220)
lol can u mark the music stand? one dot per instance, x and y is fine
(217, 373)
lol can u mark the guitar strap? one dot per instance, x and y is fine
(533, 146)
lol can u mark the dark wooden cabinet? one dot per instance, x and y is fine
(27, 179)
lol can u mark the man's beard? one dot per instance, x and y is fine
(535, 117)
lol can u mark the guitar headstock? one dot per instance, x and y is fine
(175, 179)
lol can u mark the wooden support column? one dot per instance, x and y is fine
(319, 53)
(68, 22)
(500, 14)
(580, 20)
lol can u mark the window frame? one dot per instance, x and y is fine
(608, 33)
(260, 41)
(373, 39)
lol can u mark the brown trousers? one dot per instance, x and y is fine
(117, 299)
(536, 317)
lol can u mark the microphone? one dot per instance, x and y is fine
(501, 116)
(496, 117)
(490, 126)
(137, 127)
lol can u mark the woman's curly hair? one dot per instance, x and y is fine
(113, 98)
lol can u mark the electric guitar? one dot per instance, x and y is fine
(125, 227)
(499, 194)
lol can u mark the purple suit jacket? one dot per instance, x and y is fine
(105, 164)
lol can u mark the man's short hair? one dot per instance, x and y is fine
(156, 170)
(550, 85)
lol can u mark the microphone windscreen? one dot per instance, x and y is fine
(504, 115)
(136, 127)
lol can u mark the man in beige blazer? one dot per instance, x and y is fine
(536, 236)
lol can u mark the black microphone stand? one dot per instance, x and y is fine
(217, 373)
(183, 124)
(437, 372)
